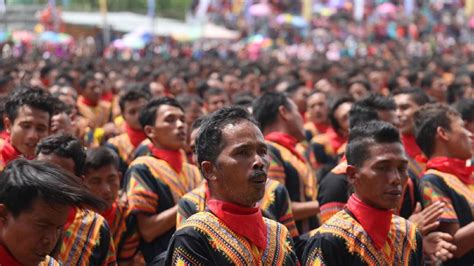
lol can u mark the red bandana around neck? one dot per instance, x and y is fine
(6, 258)
(244, 221)
(410, 145)
(71, 216)
(88, 102)
(109, 214)
(173, 158)
(135, 136)
(376, 222)
(453, 166)
(9, 153)
(286, 141)
(336, 139)
(322, 128)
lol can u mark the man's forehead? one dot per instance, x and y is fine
(241, 129)
(380, 151)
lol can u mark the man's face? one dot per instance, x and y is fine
(157, 90)
(192, 112)
(215, 102)
(342, 116)
(300, 97)
(29, 127)
(379, 182)
(295, 122)
(131, 113)
(318, 108)
(459, 139)
(92, 91)
(33, 234)
(170, 130)
(358, 91)
(104, 182)
(241, 167)
(231, 84)
(406, 108)
(438, 90)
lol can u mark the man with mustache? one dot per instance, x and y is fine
(154, 183)
(367, 232)
(232, 156)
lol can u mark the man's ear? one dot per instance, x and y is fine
(149, 132)
(351, 172)
(442, 133)
(7, 123)
(208, 170)
(284, 112)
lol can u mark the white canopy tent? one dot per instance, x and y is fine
(128, 22)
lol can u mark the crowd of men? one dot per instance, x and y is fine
(223, 161)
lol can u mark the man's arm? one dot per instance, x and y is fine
(151, 227)
(303, 210)
(463, 237)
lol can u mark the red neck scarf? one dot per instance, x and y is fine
(109, 214)
(135, 136)
(70, 217)
(321, 127)
(376, 222)
(9, 153)
(88, 102)
(286, 141)
(411, 148)
(173, 158)
(336, 139)
(4, 135)
(453, 166)
(247, 222)
(7, 259)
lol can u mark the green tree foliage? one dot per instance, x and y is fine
(167, 8)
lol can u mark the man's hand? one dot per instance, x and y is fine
(438, 246)
(427, 220)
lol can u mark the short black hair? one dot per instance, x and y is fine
(427, 119)
(85, 79)
(361, 114)
(29, 96)
(209, 142)
(332, 109)
(23, 181)
(186, 99)
(131, 95)
(66, 146)
(294, 87)
(265, 107)
(418, 95)
(213, 91)
(466, 108)
(100, 157)
(363, 136)
(148, 113)
(378, 102)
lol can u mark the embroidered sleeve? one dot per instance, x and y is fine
(332, 195)
(433, 192)
(141, 197)
(187, 248)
